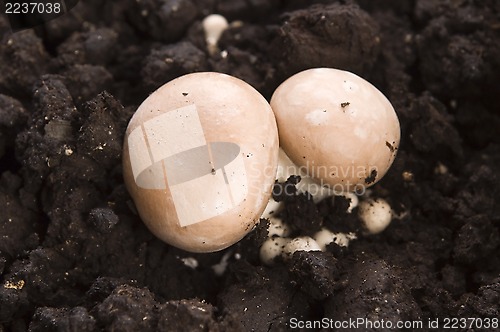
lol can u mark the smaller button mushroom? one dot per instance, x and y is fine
(337, 126)
(272, 248)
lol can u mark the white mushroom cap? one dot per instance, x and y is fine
(376, 215)
(338, 126)
(272, 248)
(303, 243)
(324, 237)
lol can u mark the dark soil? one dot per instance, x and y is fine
(75, 256)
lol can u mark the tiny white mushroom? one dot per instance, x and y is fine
(337, 126)
(277, 228)
(324, 237)
(272, 248)
(303, 243)
(190, 262)
(220, 267)
(213, 25)
(376, 215)
(440, 169)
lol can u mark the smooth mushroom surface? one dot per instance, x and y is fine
(336, 126)
(200, 157)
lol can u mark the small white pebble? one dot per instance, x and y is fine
(440, 169)
(376, 215)
(343, 239)
(303, 243)
(190, 262)
(272, 248)
(214, 25)
(277, 228)
(407, 176)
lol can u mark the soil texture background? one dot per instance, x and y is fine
(75, 256)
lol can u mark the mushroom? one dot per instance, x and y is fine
(336, 126)
(199, 160)
(301, 243)
(376, 215)
(213, 25)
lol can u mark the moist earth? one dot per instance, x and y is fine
(75, 256)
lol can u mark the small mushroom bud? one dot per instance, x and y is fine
(214, 25)
(376, 215)
(272, 248)
(324, 237)
(199, 160)
(337, 126)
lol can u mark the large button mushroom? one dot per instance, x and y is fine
(199, 158)
(337, 126)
